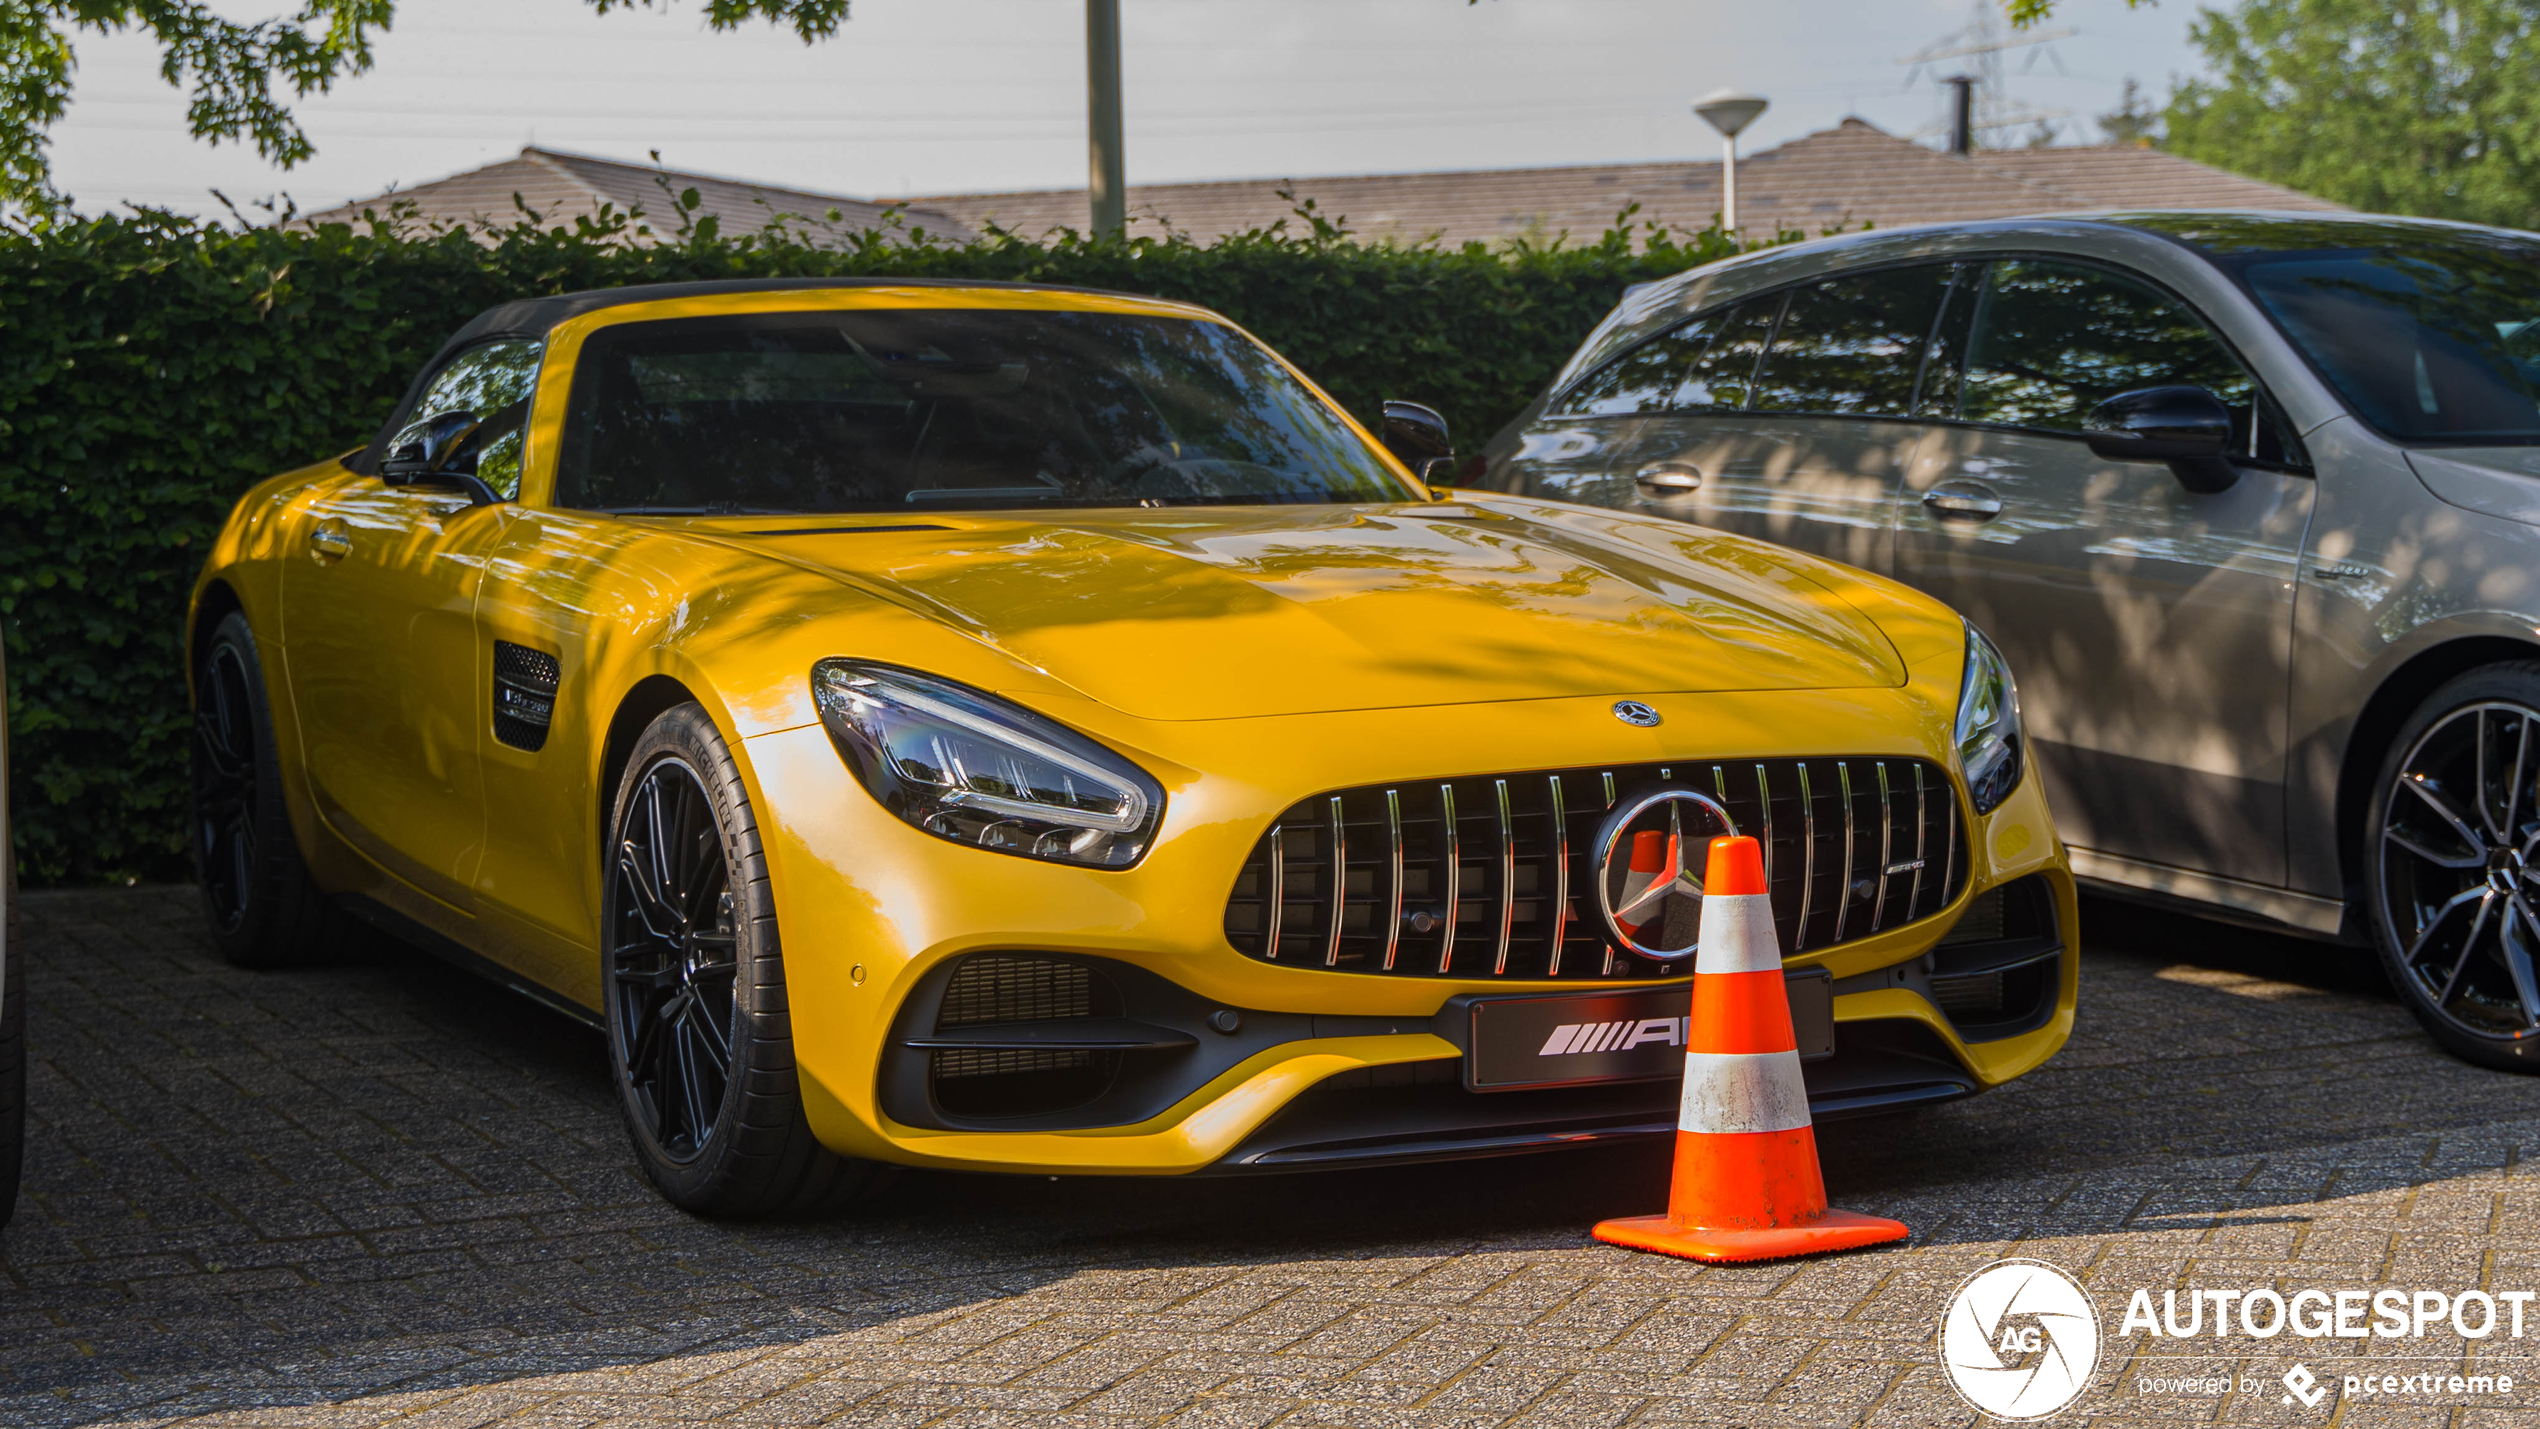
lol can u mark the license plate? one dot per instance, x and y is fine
(1569, 1039)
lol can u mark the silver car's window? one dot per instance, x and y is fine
(493, 380)
(1852, 346)
(945, 408)
(2053, 340)
(2434, 341)
(1705, 365)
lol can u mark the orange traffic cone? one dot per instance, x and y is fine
(1746, 1185)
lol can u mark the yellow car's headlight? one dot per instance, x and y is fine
(966, 766)
(1989, 738)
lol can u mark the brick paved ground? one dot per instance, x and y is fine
(380, 1192)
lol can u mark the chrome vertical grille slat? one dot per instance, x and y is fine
(1808, 864)
(1560, 876)
(1507, 880)
(1374, 880)
(1922, 828)
(1393, 884)
(1764, 796)
(1278, 896)
(1887, 841)
(1336, 897)
(1843, 891)
(1451, 854)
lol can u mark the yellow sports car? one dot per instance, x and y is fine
(1025, 729)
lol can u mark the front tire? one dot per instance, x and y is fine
(264, 908)
(700, 1036)
(2453, 865)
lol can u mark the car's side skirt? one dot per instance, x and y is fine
(2208, 894)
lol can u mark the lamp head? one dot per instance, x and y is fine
(1729, 110)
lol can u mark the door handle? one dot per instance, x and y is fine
(1668, 478)
(1963, 501)
(329, 541)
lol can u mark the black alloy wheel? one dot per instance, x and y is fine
(264, 908)
(700, 1035)
(671, 944)
(2455, 866)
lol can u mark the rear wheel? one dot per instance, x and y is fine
(2454, 874)
(264, 908)
(700, 1036)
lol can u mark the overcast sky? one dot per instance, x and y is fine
(947, 96)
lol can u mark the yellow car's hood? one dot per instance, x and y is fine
(1182, 614)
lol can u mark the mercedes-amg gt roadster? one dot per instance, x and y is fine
(1024, 729)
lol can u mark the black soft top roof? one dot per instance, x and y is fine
(536, 317)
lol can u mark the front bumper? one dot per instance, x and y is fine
(1332, 1067)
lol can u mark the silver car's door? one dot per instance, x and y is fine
(1569, 456)
(1572, 451)
(2150, 628)
(1697, 369)
(1806, 448)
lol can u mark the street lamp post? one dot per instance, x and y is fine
(1729, 110)
(1108, 185)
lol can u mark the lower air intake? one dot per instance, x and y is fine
(992, 988)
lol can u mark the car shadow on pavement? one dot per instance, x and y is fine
(382, 1177)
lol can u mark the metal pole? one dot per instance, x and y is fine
(1728, 183)
(1108, 185)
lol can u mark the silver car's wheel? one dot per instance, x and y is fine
(2456, 872)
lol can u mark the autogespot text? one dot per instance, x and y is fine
(2387, 1314)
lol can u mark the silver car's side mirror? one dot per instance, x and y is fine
(2187, 427)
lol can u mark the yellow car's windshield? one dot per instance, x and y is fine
(947, 409)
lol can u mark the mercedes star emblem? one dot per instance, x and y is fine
(1649, 861)
(1634, 712)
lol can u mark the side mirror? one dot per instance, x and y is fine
(1417, 435)
(437, 452)
(2188, 427)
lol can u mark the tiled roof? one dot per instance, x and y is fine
(562, 187)
(1852, 176)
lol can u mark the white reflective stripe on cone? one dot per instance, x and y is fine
(1743, 1091)
(1738, 936)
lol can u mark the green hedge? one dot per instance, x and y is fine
(151, 368)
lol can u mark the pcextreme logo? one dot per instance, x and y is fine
(2019, 1340)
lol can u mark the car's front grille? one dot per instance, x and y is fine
(1361, 880)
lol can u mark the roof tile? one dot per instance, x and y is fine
(1852, 176)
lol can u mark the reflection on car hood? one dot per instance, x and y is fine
(1206, 614)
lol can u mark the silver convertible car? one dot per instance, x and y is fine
(2251, 503)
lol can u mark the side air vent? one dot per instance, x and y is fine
(995, 990)
(1997, 972)
(525, 683)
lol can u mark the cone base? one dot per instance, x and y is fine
(1838, 1230)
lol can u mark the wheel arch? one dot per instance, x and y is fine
(642, 703)
(213, 603)
(2368, 739)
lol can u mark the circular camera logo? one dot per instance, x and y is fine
(2020, 1339)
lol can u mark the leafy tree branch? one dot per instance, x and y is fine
(231, 70)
